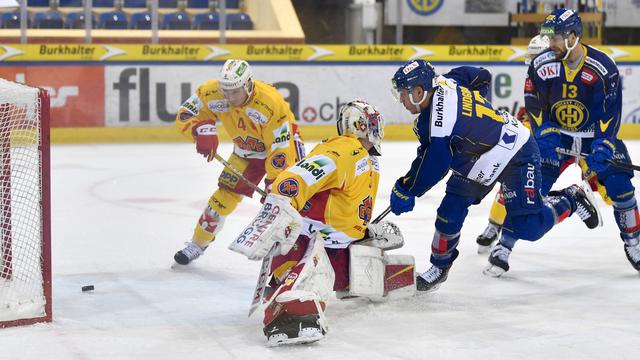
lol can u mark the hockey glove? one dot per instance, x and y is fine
(548, 139)
(401, 200)
(601, 151)
(206, 135)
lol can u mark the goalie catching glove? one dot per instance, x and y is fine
(277, 223)
(384, 235)
(205, 134)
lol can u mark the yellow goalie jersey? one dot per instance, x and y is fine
(334, 189)
(263, 128)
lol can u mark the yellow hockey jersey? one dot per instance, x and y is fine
(334, 188)
(264, 128)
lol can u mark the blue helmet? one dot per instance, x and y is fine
(562, 21)
(411, 74)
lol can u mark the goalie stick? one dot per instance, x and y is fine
(616, 163)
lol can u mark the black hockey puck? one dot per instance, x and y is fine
(88, 288)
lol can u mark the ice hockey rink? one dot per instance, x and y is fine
(121, 211)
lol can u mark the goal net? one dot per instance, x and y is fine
(25, 247)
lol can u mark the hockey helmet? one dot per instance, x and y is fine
(537, 45)
(363, 120)
(236, 75)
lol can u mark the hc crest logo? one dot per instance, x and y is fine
(279, 161)
(288, 187)
(570, 114)
(424, 7)
(365, 210)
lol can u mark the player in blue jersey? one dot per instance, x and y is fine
(459, 130)
(573, 95)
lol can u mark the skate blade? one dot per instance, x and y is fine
(493, 271)
(587, 190)
(279, 341)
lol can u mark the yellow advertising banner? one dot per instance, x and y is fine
(287, 53)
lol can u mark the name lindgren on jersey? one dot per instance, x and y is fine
(461, 131)
(585, 101)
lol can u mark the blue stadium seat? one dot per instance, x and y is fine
(141, 21)
(103, 3)
(38, 3)
(232, 4)
(11, 20)
(48, 20)
(75, 20)
(197, 4)
(135, 3)
(206, 21)
(176, 21)
(113, 20)
(71, 3)
(239, 21)
(163, 4)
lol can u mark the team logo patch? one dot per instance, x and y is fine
(365, 210)
(279, 161)
(570, 114)
(288, 187)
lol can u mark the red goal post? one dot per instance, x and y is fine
(25, 213)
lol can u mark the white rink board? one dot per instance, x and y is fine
(149, 95)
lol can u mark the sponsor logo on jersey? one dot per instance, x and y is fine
(279, 161)
(528, 85)
(218, 105)
(375, 163)
(249, 144)
(587, 76)
(549, 71)
(570, 114)
(362, 166)
(529, 188)
(365, 210)
(508, 139)
(282, 136)
(256, 116)
(438, 107)
(597, 64)
(288, 187)
(547, 56)
(192, 105)
(313, 168)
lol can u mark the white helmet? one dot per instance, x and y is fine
(363, 120)
(236, 74)
(537, 45)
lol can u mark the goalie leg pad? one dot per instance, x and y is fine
(378, 276)
(277, 223)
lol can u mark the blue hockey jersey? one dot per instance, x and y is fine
(460, 130)
(584, 102)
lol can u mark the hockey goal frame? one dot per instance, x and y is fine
(45, 205)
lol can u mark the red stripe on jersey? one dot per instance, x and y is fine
(315, 207)
(528, 86)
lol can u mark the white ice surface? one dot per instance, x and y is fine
(121, 211)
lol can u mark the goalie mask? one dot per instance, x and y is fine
(363, 120)
(537, 45)
(559, 25)
(236, 81)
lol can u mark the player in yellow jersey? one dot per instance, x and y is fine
(498, 212)
(264, 133)
(317, 209)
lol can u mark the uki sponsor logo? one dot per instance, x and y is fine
(549, 71)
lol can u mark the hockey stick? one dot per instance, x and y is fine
(382, 215)
(239, 174)
(615, 163)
